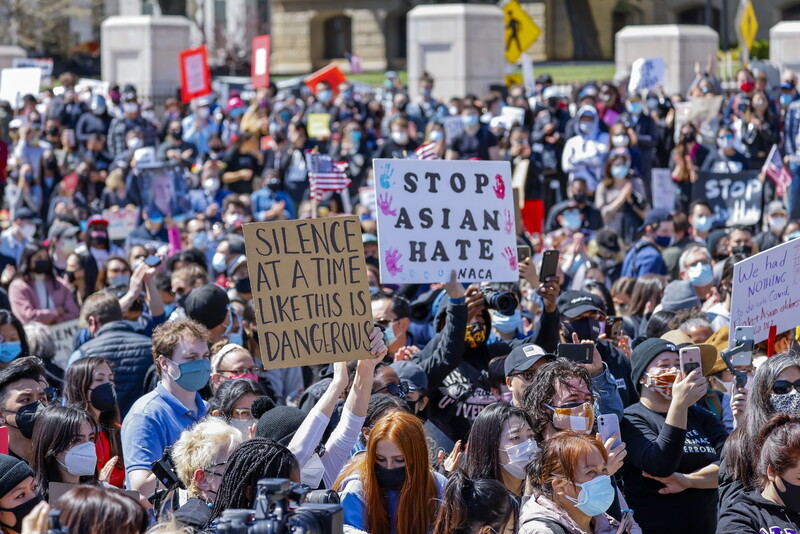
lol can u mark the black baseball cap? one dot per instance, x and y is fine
(524, 357)
(655, 215)
(572, 304)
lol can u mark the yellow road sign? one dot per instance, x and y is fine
(521, 31)
(747, 24)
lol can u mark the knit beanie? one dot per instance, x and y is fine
(276, 422)
(208, 305)
(679, 294)
(644, 353)
(12, 473)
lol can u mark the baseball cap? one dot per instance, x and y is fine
(27, 214)
(61, 229)
(208, 305)
(369, 239)
(96, 219)
(571, 304)
(412, 374)
(607, 241)
(524, 357)
(776, 206)
(655, 215)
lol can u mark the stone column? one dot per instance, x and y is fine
(784, 45)
(291, 41)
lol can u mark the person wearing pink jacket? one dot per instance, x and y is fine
(36, 294)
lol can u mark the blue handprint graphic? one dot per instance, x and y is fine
(386, 176)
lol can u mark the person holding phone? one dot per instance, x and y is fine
(670, 475)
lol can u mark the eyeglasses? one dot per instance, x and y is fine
(782, 387)
(210, 470)
(383, 322)
(244, 371)
(527, 376)
(396, 390)
(242, 413)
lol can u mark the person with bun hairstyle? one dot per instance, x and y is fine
(774, 506)
(475, 506)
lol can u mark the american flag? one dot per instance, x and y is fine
(774, 168)
(427, 151)
(324, 174)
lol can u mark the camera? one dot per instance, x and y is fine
(505, 302)
(319, 512)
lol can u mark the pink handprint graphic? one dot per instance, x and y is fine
(499, 187)
(385, 204)
(508, 226)
(511, 257)
(392, 259)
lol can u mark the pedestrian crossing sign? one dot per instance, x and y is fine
(521, 31)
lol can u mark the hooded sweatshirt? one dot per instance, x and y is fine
(585, 154)
(751, 513)
(540, 507)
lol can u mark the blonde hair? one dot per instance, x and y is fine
(200, 447)
(169, 527)
(115, 179)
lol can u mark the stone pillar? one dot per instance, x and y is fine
(784, 45)
(460, 45)
(679, 45)
(369, 37)
(291, 41)
(8, 54)
(143, 50)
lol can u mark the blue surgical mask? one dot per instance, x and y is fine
(235, 338)
(169, 308)
(355, 136)
(218, 262)
(470, 120)
(572, 220)
(703, 223)
(595, 496)
(700, 274)
(634, 108)
(325, 96)
(585, 127)
(389, 336)
(507, 324)
(200, 240)
(435, 135)
(663, 241)
(620, 171)
(193, 375)
(785, 99)
(9, 350)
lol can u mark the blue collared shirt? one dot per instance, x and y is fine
(154, 423)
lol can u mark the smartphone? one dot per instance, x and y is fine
(742, 359)
(152, 261)
(523, 252)
(613, 328)
(743, 334)
(626, 522)
(549, 264)
(690, 360)
(576, 352)
(607, 426)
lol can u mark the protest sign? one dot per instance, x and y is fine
(259, 62)
(310, 291)
(195, 75)
(735, 198)
(16, 83)
(366, 196)
(45, 64)
(512, 115)
(453, 126)
(766, 290)
(62, 334)
(646, 73)
(663, 189)
(121, 222)
(163, 190)
(319, 125)
(331, 74)
(436, 215)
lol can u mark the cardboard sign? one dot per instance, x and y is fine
(646, 74)
(766, 290)
(310, 291)
(259, 62)
(164, 191)
(121, 222)
(319, 125)
(16, 83)
(63, 334)
(437, 215)
(664, 189)
(195, 75)
(734, 197)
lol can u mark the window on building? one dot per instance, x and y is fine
(148, 7)
(338, 36)
(791, 13)
(220, 12)
(697, 15)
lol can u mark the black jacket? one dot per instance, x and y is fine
(751, 514)
(194, 514)
(129, 354)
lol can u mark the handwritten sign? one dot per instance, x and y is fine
(436, 215)
(664, 190)
(766, 290)
(310, 290)
(646, 73)
(121, 222)
(734, 197)
(319, 125)
(62, 334)
(16, 83)
(194, 72)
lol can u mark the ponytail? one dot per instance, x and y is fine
(468, 505)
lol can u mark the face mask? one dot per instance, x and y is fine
(661, 382)
(725, 143)
(389, 337)
(435, 136)
(470, 120)
(130, 107)
(519, 456)
(218, 262)
(785, 99)
(25, 417)
(585, 127)
(28, 231)
(663, 241)
(177, 134)
(506, 324)
(788, 403)
(390, 479)
(790, 496)
(325, 96)
(742, 249)
(236, 338)
(9, 350)
(595, 496)
(700, 274)
(69, 245)
(242, 285)
(747, 87)
(134, 143)
(243, 426)
(311, 473)
(634, 108)
(777, 224)
(619, 171)
(81, 460)
(620, 140)
(687, 137)
(232, 219)
(42, 266)
(577, 417)
(401, 138)
(475, 336)
(203, 112)
(211, 185)
(703, 223)
(200, 240)
(104, 397)
(119, 280)
(572, 220)
(193, 375)
(21, 511)
(453, 110)
(99, 239)
(587, 328)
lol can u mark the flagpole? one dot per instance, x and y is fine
(313, 198)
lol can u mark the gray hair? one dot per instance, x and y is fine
(695, 322)
(690, 250)
(41, 342)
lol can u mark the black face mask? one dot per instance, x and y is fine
(71, 277)
(742, 249)
(475, 335)
(390, 479)
(100, 240)
(53, 131)
(177, 134)
(25, 418)
(274, 185)
(790, 496)
(181, 300)
(104, 397)
(21, 511)
(587, 328)
(243, 285)
(687, 138)
(42, 266)
(580, 198)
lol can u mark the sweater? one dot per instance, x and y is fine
(26, 307)
(753, 514)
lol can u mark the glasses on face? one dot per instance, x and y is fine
(242, 371)
(394, 389)
(212, 469)
(242, 413)
(782, 387)
(385, 323)
(527, 376)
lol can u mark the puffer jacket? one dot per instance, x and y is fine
(129, 354)
(540, 507)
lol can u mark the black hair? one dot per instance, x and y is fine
(542, 389)
(25, 368)
(380, 403)
(482, 458)
(24, 270)
(229, 393)
(471, 503)
(401, 308)
(190, 255)
(253, 460)
(6, 317)
(659, 323)
(608, 300)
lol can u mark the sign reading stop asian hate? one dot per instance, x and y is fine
(310, 291)
(735, 198)
(437, 215)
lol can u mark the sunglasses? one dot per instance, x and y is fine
(394, 389)
(527, 376)
(782, 387)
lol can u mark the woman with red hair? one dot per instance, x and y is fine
(391, 489)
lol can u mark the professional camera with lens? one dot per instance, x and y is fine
(319, 512)
(505, 302)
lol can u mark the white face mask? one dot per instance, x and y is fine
(399, 137)
(519, 456)
(81, 460)
(620, 140)
(28, 230)
(203, 112)
(134, 143)
(243, 426)
(311, 473)
(211, 185)
(777, 223)
(130, 107)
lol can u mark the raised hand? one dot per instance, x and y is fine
(385, 204)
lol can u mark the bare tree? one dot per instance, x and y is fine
(40, 26)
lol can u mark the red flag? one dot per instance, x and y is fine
(324, 174)
(775, 169)
(195, 75)
(259, 62)
(427, 151)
